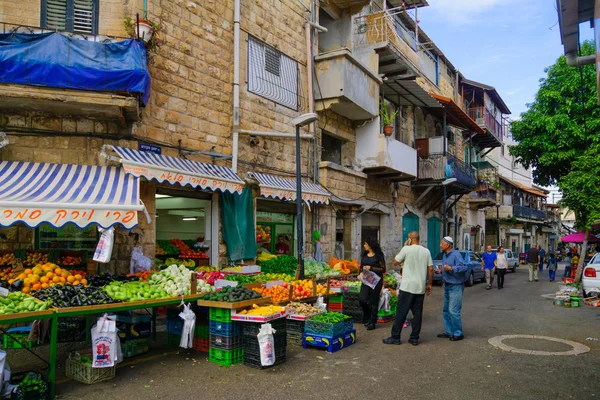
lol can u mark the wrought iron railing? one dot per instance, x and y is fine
(483, 193)
(529, 213)
(441, 167)
(485, 119)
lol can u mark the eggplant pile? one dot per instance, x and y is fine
(73, 296)
(105, 279)
(14, 287)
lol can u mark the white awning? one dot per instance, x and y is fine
(285, 189)
(175, 170)
(59, 194)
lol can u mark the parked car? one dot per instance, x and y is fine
(471, 258)
(511, 259)
(590, 279)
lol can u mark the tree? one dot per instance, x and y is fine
(559, 137)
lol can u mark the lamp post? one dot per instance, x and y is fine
(444, 184)
(299, 122)
(498, 224)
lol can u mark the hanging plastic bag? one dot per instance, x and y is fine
(384, 300)
(189, 324)
(266, 343)
(5, 387)
(371, 279)
(321, 303)
(139, 262)
(106, 346)
(105, 245)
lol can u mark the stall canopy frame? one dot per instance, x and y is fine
(285, 189)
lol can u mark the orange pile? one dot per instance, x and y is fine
(301, 290)
(42, 276)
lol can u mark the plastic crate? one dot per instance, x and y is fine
(382, 313)
(226, 357)
(293, 326)
(251, 344)
(226, 342)
(86, 374)
(253, 360)
(24, 393)
(294, 338)
(202, 345)
(131, 348)
(351, 297)
(252, 328)
(336, 299)
(337, 307)
(332, 344)
(173, 340)
(225, 328)
(173, 313)
(328, 329)
(16, 338)
(219, 314)
(201, 332)
(357, 317)
(175, 326)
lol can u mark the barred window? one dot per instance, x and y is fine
(70, 15)
(272, 74)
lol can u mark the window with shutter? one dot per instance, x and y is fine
(70, 15)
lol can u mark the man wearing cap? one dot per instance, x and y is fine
(454, 274)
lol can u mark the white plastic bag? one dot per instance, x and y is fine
(189, 323)
(105, 245)
(5, 387)
(384, 300)
(371, 279)
(139, 262)
(266, 342)
(321, 303)
(106, 346)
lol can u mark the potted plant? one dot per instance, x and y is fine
(386, 118)
(149, 33)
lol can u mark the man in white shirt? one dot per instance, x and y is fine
(417, 280)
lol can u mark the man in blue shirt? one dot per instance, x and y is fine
(488, 265)
(454, 274)
(542, 256)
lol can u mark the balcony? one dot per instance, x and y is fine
(483, 196)
(384, 157)
(486, 120)
(347, 87)
(438, 168)
(528, 213)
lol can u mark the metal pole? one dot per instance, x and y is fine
(498, 223)
(445, 212)
(300, 236)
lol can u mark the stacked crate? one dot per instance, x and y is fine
(351, 306)
(331, 336)
(202, 330)
(335, 303)
(252, 348)
(226, 345)
(294, 331)
(174, 327)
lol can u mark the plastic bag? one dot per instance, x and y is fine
(105, 245)
(106, 346)
(371, 279)
(5, 387)
(189, 324)
(384, 300)
(139, 262)
(266, 342)
(321, 303)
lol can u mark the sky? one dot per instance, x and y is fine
(502, 43)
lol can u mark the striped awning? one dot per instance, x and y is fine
(285, 189)
(59, 194)
(175, 170)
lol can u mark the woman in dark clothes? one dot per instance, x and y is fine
(372, 260)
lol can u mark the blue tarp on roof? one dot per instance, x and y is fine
(56, 60)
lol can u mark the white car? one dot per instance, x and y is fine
(590, 279)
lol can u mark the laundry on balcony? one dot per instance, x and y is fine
(56, 60)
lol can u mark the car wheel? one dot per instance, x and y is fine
(470, 281)
(514, 269)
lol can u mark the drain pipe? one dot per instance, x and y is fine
(574, 61)
(236, 84)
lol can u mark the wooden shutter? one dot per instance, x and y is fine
(56, 14)
(83, 16)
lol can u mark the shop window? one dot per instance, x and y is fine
(275, 232)
(70, 15)
(272, 74)
(331, 149)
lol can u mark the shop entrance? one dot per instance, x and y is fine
(371, 226)
(276, 227)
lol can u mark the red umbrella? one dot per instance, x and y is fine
(578, 237)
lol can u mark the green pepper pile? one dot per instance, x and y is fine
(242, 279)
(331, 317)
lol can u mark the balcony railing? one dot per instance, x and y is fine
(484, 194)
(440, 167)
(529, 213)
(485, 119)
(552, 218)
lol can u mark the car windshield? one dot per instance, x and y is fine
(464, 256)
(439, 256)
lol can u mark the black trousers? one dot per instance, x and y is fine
(501, 273)
(369, 301)
(413, 302)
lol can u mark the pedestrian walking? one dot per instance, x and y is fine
(454, 275)
(567, 265)
(372, 260)
(417, 281)
(501, 266)
(542, 257)
(488, 265)
(533, 259)
(552, 266)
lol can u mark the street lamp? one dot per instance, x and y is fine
(299, 122)
(498, 224)
(444, 184)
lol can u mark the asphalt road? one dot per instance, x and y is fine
(436, 369)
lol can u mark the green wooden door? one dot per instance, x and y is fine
(433, 235)
(410, 222)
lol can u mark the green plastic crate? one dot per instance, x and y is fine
(226, 357)
(336, 299)
(17, 339)
(201, 332)
(219, 314)
(382, 313)
(173, 340)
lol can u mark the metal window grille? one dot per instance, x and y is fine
(70, 15)
(272, 74)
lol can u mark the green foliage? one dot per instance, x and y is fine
(559, 136)
(386, 118)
